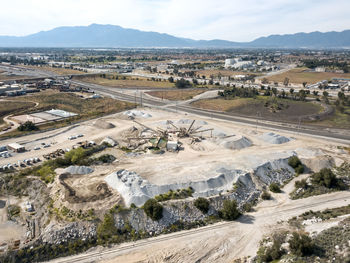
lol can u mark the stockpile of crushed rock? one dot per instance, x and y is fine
(137, 113)
(103, 124)
(135, 189)
(78, 170)
(274, 138)
(234, 142)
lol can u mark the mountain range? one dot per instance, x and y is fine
(110, 36)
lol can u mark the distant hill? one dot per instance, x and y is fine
(109, 36)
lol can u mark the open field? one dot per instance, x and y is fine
(58, 71)
(300, 75)
(176, 94)
(290, 110)
(47, 100)
(226, 73)
(12, 107)
(336, 119)
(11, 77)
(127, 82)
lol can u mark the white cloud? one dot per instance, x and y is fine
(235, 20)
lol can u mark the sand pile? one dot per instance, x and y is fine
(273, 138)
(78, 170)
(234, 142)
(103, 124)
(317, 163)
(137, 113)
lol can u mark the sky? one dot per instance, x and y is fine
(235, 20)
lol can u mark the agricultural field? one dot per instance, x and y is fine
(281, 109)
(300, 75)
(176, 95)
(127, 82)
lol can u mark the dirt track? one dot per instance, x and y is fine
(221, 242)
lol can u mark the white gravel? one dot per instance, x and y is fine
(273, 138)
(78, 170)
(137, 113)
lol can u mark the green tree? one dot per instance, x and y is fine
(202, 204)
(301, 244)
(229, 210)
(153, 209)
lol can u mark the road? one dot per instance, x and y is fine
(241, 237)
(125, 95)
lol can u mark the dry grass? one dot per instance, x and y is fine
(12, 107)
(300, 75)
(129, 82)
(176, 94)
(58, 71)
(86, 108)
(287, 110)
(12, 77)
(220, 104)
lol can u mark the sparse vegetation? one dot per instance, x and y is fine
(301, 244)
(272, 252)
(325, 181)
(178, 194)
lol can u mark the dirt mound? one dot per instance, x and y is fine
(84, 193)
(273, 138)
(235, 142)
(318, 163)
(78, 170)
(103, 124)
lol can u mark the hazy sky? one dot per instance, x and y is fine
(236, 20)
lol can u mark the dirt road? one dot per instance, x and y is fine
(220, 242)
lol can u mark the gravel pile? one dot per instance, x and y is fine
(109, 141)
(235, 142)
(273, 138)
(78, 170)
(101, 124)
(188, 121)
(137, 113)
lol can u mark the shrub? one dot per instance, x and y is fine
(202, 204)
(107, 228)
(301, 184)
(268, 254)
(265, 195)
(275, 188)
(28, 126)
(294, 161)
(153, 209)
(229, 210)
(301, 244)
(299, 169)
(325, 177)
(106, 158)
